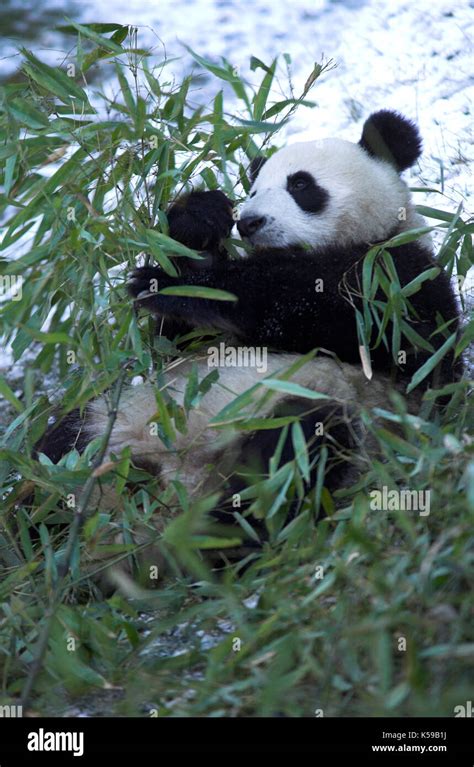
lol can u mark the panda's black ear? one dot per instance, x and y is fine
(390, 136)
(256, 166)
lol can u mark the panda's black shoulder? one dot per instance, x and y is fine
(412, 259)
(328, 262)
(333, 264)
(438, 294)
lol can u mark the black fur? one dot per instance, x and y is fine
(310, 197)
(201, 221)
(257, 450)
(64, 435)
(278, 305)
(390, 136)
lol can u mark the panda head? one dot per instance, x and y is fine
(334, 192)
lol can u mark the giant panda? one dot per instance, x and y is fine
(313, 211)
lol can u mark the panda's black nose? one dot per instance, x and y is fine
(250, 224)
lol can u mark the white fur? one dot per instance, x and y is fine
(367, 197)
(198, 457)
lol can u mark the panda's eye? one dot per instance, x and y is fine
(252, 194)
(299, 183)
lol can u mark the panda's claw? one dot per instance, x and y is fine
(149, 280)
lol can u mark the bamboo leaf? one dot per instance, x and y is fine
(415, 285)
(441, 215)
(234, 407)
(27, 114)
(281, 105)
(198, 291)
(430, 364)
(9, 174)
(6, 392)
(259, 424)
(126, 91)
(71, 28)
(301, 450)
(53, 79)
(260, 99)
(409, 236)
(288, 387)
(260, 126)
(167, 243)
(91, 32)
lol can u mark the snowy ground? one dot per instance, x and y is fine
(413, 57)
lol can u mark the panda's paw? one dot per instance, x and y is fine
(201, 220)
(146, 282)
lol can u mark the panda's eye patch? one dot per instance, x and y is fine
(306, 192)
(252, 194)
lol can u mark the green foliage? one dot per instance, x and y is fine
(86, 178)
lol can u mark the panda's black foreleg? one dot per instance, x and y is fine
(201, 221)
(184, 309)
(230, 315)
